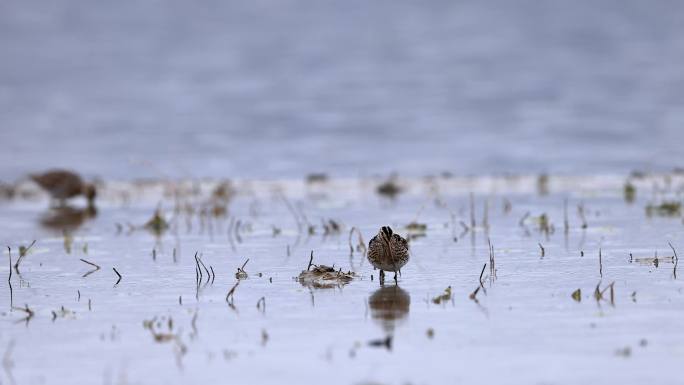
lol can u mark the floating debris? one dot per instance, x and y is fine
(385, 342)
(416, 230)
(323, 277)
(625, 352)
(241, 273)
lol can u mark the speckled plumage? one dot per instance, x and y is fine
(388, 251)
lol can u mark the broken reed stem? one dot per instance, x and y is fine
(480, 279)
(310, 261)
(205, 267)
(361, 245)
(543, 252)
(198, 272)
(96, 266)
(676, 260)
(472, 211)
(566, 224)
(492, 265)
(9, 254)
(22, 254)
(600, 264)
(117, 273)
(9, 277)
(231, 292)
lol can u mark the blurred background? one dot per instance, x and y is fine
(281, 88)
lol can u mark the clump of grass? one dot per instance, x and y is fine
(316, 178)
(23, 251)
(68, 241)
(223, 191)
(629, 192)
(157, 224)
(389, 188)
(577, 295)
(444, 297)
(665, 209)
(543, 184)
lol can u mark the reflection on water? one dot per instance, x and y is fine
(389, 305)
(67, 218)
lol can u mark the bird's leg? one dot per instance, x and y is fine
(395, 277)
(382, 277)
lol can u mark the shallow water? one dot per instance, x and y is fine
(274, 88)
(525, 329)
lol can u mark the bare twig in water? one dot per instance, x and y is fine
(9, 277)
(580, 212)
(492, 262)
(473, 295)
(543, 252)
(199, 258)
(600, 264)
(472, 211)
(96, 267)
(231, 292)
(117, 273)
(676, 260)
(261, 304)
(29, 313)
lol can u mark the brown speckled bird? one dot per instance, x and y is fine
(388, 251)
(62, 185)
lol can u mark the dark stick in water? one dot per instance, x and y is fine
(676, 260)
(9, 278)
(117, 273)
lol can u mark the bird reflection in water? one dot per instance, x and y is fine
(389, 305)
(67, 218)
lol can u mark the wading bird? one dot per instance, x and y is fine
(62, 185)
(388, 251)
